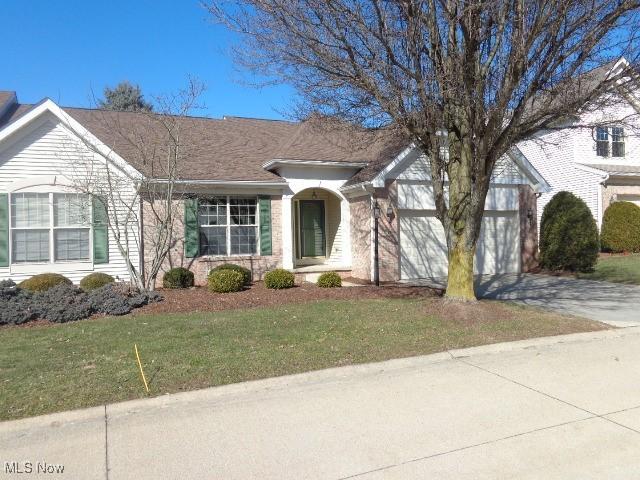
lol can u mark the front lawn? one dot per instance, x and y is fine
(51, 367)
(618, 269)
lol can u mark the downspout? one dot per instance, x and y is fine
(602, 184)
(141, 253)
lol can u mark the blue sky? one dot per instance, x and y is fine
(67, 49)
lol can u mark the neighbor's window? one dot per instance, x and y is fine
(610, 141)
(48, 226)
(228, 226)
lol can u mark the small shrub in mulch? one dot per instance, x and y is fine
(44, 281)
(225, 281)
(246, 273)
(178, 277)
(66, 303)
(329, 280)
(95, 280)
(621, 228)
(278, 279)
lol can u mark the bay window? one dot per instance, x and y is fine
(48, 227)
(228, 225)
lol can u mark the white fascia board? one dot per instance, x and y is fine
(224, 183)
(379, 179)
(538, 182)
(48, 105)
(357, 190)
(596, 171)
(273, 164)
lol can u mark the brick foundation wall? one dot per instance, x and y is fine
(201, 266)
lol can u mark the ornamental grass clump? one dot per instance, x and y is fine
(279, 279)
(225, 281)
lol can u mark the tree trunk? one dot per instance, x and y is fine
(460, 281)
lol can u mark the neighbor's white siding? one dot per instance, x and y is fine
(29, 161)
(552, 155)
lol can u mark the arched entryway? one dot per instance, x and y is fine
(318, 228)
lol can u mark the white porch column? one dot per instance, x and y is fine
(287, 232)
(345, 220)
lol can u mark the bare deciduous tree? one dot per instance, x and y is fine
(153, 143)
(464, 80)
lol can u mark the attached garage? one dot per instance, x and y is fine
(423, 248)
(629, 198)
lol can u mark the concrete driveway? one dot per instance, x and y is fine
(556, 408)
(613, 303)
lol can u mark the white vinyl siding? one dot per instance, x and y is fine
(46, 155)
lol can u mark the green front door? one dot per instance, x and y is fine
(312, 236)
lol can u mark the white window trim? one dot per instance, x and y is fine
(228, 227)
(28, 266)
(609, 131)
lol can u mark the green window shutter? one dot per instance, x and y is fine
(191, 229)
(100, 231)
(264, 204)
(4, 230)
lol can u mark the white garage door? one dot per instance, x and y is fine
(423, 248)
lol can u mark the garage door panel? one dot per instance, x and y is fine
(417, 261)
(424, 251)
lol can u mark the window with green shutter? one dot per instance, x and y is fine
(191, 228)
(4, 230)
(265, 225)
(100, 231)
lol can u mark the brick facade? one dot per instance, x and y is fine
(201, 266)
(360, 211)
(611, 193)
(528, 216)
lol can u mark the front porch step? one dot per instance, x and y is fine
(311, 273)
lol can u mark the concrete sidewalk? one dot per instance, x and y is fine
(554, 408)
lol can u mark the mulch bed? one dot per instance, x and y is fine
(199, 299)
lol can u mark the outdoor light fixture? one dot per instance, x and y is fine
(389, 213)
(530, 216)
(376, 211)
(314, 195)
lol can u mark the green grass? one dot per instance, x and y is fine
(618, 269)
(48, 368)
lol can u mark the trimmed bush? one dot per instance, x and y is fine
(329, 280)
(246, 273)
(568, 235)
(225, 281)
(178, 277)
(621, 228)
(95, 280)
(278, 279)
(44, 281)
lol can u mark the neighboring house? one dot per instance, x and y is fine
(259, 193)
(595, 154)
